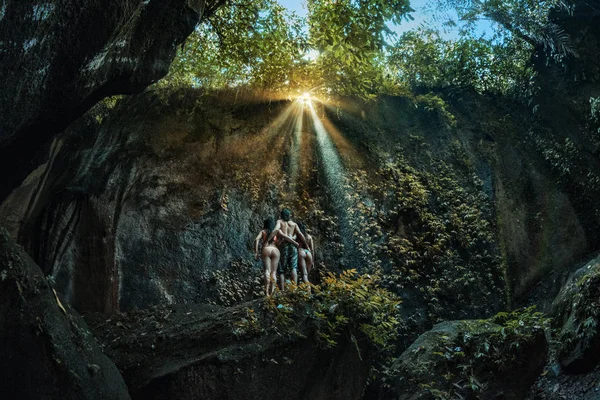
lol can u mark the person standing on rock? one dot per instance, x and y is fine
(287, 231)
(270, 255)
(306, 254)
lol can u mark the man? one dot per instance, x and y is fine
(288, 231)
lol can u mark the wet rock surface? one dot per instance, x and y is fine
(47, 349)
(137, 211)
(58, 58)
(208, 352)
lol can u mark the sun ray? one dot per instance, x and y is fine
(335, 176)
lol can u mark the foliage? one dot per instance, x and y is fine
(347, 309)
(435, 103)
(499, 63)
(594, 124)
(428, 233)
(350, 36)
(466, 358)
(561, 156)
(569, 159)
(258, 44)
(342, 48)
(422, 59)
(526, 20)
(595, 109)
(248, 325)
(585, 312)
(103, 109)
(255, 43)
(232, 285)
(342, 304)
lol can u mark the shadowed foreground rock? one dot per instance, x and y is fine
(485, 359)
(47, 350)
(576, 314)
(190, 352)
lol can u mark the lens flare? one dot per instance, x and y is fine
(305, 99)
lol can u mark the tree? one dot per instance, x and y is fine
(243, 43)
(527, 20)
(258, 44)
(350, 36)
(421, 59)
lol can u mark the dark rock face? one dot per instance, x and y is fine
(186, 353)
(565, 135)
(58, 58)
(471, 359)
(565, 386)
(47, 350)
(576, 317)
(538, 220)
(136, 211)
(160, 202)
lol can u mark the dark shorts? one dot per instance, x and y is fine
(289, 259)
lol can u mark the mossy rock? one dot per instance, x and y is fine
(576, 314)
(476, 359)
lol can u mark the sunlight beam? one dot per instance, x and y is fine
(335, 177)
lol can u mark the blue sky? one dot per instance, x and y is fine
(421, 17)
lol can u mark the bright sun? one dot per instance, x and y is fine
(306, 98)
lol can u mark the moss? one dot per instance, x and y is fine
(432, 102)
(466, 359)
(428, 231)
(344, 306)
(579, 317)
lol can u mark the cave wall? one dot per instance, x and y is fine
(157, 199)
(542, 228)
(48, 351)
(58, 58)
(534, 157)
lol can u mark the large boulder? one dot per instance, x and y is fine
(147, 211)
(576, 317)
(47, 349)
(201, 352)
(58, 58)
(483, 359)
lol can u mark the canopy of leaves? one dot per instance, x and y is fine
(260, 45)
(350, 37)
(423, 59)
(528, 20)
(243, 43)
